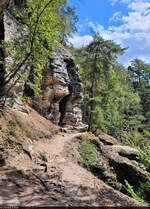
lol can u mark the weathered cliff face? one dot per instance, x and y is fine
(61, 90)
(61, 84)
(9, 30)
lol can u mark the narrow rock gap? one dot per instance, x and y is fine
(129, 156)
(62, 109)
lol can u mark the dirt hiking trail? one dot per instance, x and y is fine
(65, 183)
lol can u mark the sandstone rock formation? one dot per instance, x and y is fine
(61, 84)
(61, 90)
(117, 162)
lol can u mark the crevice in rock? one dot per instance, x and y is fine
(62, 109)
(106, 142)
(99, 172)
(126, 172)
(70, 63)
(129, 156)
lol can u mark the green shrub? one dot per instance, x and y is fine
(27, 100)
(144, 156)
(88, 153)
(141, 193)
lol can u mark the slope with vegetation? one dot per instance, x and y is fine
(116, 102)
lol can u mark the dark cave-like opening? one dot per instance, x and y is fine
(62, 109)
(2, 70)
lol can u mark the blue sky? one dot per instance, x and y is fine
(127, 22)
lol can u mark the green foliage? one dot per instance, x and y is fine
(99, 78)
(139, 73)
(88, 153)
(27, 100)
(69, 20)
(42, 24)
(140, 195)
(111, 103)
(144, 156)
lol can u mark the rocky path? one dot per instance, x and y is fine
(81, 184)
(65, 182)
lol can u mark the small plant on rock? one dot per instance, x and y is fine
(142, 193)
(144, 156)
(88, 153)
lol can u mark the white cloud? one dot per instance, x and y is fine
(96, 27)
(133, 31)
(120, 1)
(113, 1)
(116, 17)
(79, 41)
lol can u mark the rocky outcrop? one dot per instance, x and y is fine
(61, 90)
(10, 30)
(117, 162)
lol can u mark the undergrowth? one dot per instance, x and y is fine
(88, 153)
(144, 156)
(9, 144)
(142, 194)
